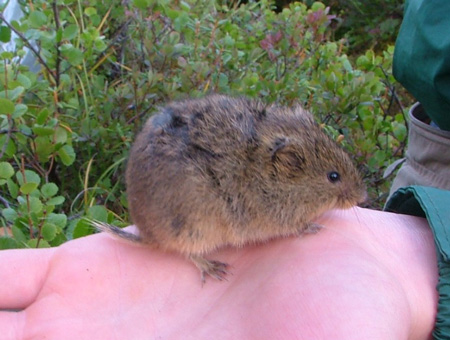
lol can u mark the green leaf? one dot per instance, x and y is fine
(49, 231)
(65, 80)
(70, 32)
(49, 190)
(10, 148)
(59, 239)
(44, 148)
(98, 212)
(171, 13)
(18, 234)
(13, 188)
(21, 53)
(181, 21)
(13, 94)
(141, 4)
(6, 170)
(89, 11)
(9, 213)
(6, 106)
(316, 6)
(42, 116)
(228, 41)
(43, 130)
(35, 205)
(37, 19)
(33, 243)
(223, 80)
(185, 6)
(24, 81)
(6, 55)
(27, 188)
(19, 111)
(399, 131)
(30, 176)
(8, 243)
(73, 55)
(59, 220)
(57, 200)
(17, 26)
(5, 34)
(347, 66)
(82, 228)
(67, 155)
(99, 45)
(60, 135)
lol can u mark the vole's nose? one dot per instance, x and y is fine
(363, 197)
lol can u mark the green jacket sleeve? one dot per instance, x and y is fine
(422, 56)
(433, 204)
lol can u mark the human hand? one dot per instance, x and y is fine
(366, 275)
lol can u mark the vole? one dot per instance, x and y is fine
(206, 173)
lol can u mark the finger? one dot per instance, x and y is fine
(22, 274)
(12, 325)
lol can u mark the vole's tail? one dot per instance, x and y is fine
(115, 231)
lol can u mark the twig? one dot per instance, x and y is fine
(394, 96)
(5, 202)
(132, 119)
(29, 45)
(58, 52)
(116, 36)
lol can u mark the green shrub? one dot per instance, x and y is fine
(66, 129)
(367, 24)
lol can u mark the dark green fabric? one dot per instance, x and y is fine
(434, 204)
(422, 56)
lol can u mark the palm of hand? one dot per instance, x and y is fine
(304, 288)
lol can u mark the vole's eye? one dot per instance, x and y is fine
(333, 176)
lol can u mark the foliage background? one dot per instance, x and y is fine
(104, 68)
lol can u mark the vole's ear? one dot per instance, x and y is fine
(286, 158)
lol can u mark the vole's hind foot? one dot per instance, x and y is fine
(215, 269)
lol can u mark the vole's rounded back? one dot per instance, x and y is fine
(204, 173)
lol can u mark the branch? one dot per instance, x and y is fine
(58, 52)
(29, 45)
(5, 202)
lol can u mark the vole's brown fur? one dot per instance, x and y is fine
(204, 173)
